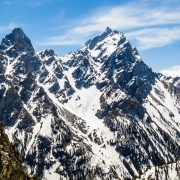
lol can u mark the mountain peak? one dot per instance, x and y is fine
(108, 29)
(101, 109)
(18, 40)
(17, 31)
(106, 43)
(93, 42)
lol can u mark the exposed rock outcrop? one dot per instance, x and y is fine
(11, 166)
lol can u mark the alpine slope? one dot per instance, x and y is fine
(99, 113)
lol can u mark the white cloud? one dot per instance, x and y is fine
(154, 37)
(173, 71)
(128, 17)
(67, 39)
(150, 26)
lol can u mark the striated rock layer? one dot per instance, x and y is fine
(98, 113)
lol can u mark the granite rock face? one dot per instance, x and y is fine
(98, 113)
(16, 42)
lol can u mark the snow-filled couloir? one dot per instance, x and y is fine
(98, 113)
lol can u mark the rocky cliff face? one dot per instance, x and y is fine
(98, 113)
(11, 161)
(162, 171)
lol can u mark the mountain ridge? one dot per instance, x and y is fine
(98, 113)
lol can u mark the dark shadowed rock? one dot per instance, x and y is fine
(19, 42)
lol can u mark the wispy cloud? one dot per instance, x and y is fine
(128, 17)
(150, 26)
(67, 39)
(70, 38)
(154, 37)
(4, 29)
(173, 71)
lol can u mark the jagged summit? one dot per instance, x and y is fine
(107, 31)
(97, 113)
(16, 42)
(115, 35)
(47, 52)
(110, 41)
(16, 35)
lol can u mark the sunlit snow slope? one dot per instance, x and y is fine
(98, 113)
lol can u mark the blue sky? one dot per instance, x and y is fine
(153, 26)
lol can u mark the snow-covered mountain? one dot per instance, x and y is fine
(98, 113)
